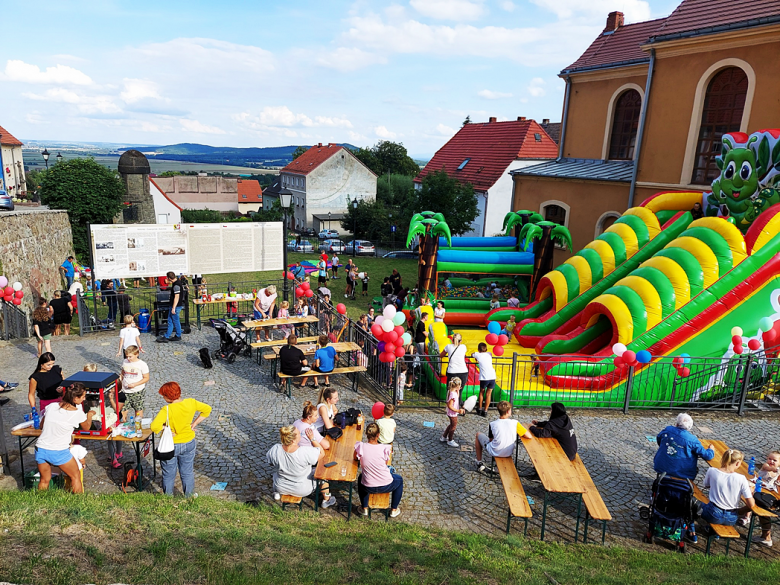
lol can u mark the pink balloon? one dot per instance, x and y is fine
(738, 349)
(377, 330)
(754, 344)
(19, 294)
(378, 410)
(503, 339)
(299, 292)
(628, 357)
(390, 348)
(341, 308)
(390, 336)
(491, 339)
(309, 293)
(400, 352)
(498, 350)
(17, 301)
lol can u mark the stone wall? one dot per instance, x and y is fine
(33, 244)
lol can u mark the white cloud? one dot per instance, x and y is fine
(507, 5)
(493, 95)
(635, 10)
(445, 130)
(195, 126)
(449, 9)
(384, 133)
(346, 59)
(536, 87)
(86, 104)
(283, 117)
(138, 89)
(16, 70)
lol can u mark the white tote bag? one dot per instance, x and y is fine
(164, 450)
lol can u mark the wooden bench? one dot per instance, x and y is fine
(334, 372)
(292, 501)
(594, 505)
(725, 532)
(515, 494)
(379, 502)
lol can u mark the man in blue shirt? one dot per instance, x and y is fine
(679, 449)
(68, 270)
(324, 360)
(299, 272)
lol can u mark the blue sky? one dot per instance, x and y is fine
(263, 74)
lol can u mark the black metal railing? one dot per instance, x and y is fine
(15, 324)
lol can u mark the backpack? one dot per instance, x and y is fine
(205, 357)
(129, 476)
(348, 417)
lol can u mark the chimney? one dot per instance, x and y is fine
(521, 118)
(614, 21)
(319, 145)
(491, 119)
(545, 120)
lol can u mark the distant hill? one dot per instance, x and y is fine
(277, 156)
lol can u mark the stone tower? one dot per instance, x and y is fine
(134, 169)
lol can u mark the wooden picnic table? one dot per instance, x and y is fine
(28, 436)
(342, 451)
(200, 303)
(556, 472)
(720, 448)
(256, 323)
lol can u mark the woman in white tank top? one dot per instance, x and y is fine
(326, 409)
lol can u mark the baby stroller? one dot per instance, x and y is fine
(672, 510)
(389, 300)
(231, 342)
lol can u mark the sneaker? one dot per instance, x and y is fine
(480, 467)
(175, 338)
(115, 463)
(692, 538)
(443, 439)
(395, 513)
(162, 340)
(760, 540)
(743, 522)
(453, 444)
(363, 511)
(277, 496)
(331, 501)
(11, 385)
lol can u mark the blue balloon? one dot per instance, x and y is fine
(686, 358)
(643, 356)
(494, 327)
(380, 347)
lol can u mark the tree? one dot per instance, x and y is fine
(34, 178)
(88, 191)
(444, 194)
(368, 158)
(274, 213)
(387, 157)
(299, 151)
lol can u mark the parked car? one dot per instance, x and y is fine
(364, 248)
(308, 232)
(405, 254)
(332, 246)
(5, 201)
(302, 246)
(326, 234)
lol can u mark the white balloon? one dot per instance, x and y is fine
(17, 286)
(379, 319)
(387, 325)
(619, 349)
(389, 312)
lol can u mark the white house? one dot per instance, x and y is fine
(14, 181)
(165, 209)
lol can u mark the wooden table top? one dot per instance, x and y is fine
(554, 468)
(277, 322)
(31, 432)
(310, 348)
(225, 300)
(343, 453)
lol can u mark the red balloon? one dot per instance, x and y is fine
(9, 298)
(754, 344)
(399, 330)
(289, 276)
(736, 340)
(503, 339)
(305, 285)
(390, 336)
(618, 361)
(628, 357)
(8, 291)
(498, 350)
(299, 292)
(17, 301)
(400, 352)
(341, 308)
(634, 364)
(769, 336)
(390, 347)
(491, 339)
(389, 357)
(309, 293)
(378, 410)
(19, 294)
(684, 372)
(678, 362)
(738, 349)
(376, 329)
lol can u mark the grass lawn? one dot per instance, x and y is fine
(56, 538)
(377, 269)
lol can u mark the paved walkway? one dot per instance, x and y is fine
(441, 486)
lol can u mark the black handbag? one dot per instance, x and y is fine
(766, 501)
(334, 433)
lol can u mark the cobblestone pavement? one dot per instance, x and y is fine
(441, 486)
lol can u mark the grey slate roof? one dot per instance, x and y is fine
(581, 168)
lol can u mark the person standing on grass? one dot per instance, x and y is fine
(395, 281)
(322, 271)
(453, 410)
(502, 436)
(350, 284)
(386, 289)
(129, 336)
(45, 382)
(365, 284)
(68, 270)
(42, 326)
(57, 426)
(487, 377)
(135, 376)
(177, 303)
(178, 415)
(375, 476)
(334, 266)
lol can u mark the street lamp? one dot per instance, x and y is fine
(285, 200)
(354, 226)
(392, 231)
(59, 157)
(45, 155)
(329, 221)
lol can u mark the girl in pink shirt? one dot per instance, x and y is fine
(453, 409)
(376, 478)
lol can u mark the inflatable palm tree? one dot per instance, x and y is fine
(520, 218)
(428, 226)
(548, 234)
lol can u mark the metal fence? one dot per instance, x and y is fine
(15, 325)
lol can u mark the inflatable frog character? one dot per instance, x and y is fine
(748, 177)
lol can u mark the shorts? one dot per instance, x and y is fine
(135, 400)
(258, 315)
(56, 458)
(487, 384)
(365, 286)
(316, 369)
(322, 279)
(46, 337)
(122, 397)
(483, 439)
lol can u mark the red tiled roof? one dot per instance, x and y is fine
(623, 45)
(312, 158)
(9, 139)
(251, 189)
(693, 15)
(491, 147)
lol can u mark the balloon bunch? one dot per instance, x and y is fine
(680, 364)
(11, 294)
(496, 338)
(388, 329)
(626, 357)
(304, 290)
(767, 326)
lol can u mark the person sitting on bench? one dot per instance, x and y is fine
(558, 427)
(501, 437)
(324, 360)
(292, 362)
(679, 450)
(375, 476)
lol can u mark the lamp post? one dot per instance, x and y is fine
(2, 168)
(354, 227)
(329, 221)
(45, 155)
(285, 199)
(59, 157)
